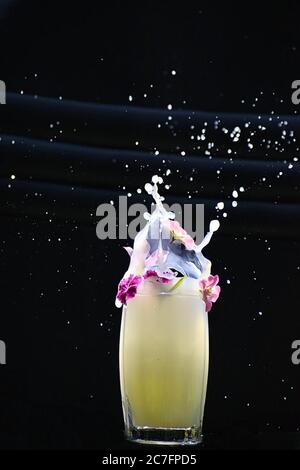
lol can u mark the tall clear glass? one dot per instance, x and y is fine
(164, 367)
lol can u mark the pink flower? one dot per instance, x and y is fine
(210, 291)
(128, 287)
(178, 233)
(161, 279)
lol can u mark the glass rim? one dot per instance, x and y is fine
(170, 294)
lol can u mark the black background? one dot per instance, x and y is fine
(60, 388)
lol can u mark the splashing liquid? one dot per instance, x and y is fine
(164, 250)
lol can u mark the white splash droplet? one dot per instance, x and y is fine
(157, 179)
(148, 188)
(214, 225)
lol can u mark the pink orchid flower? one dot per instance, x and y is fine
(162, 279)
(210, 291)
(128, 287)
(178, 233)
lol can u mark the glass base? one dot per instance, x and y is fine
(165, 436)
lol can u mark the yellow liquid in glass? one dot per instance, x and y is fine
(164, 360)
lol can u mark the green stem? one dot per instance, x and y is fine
(177, 284)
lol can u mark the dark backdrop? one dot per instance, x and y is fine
(69, 133)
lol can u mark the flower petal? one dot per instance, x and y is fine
(127, 288)
(169, 276)
(208, 305)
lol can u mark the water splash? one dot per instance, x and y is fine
(164, 247)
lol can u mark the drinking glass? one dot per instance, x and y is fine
(164, 367)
